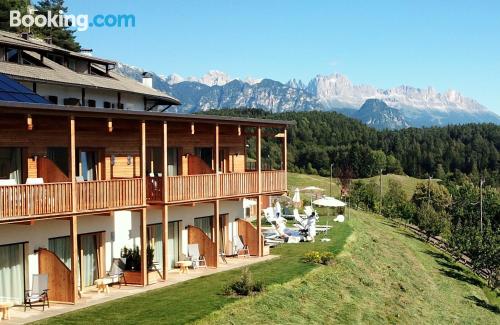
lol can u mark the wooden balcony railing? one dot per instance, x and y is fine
(34, 200)
(109, 194)
(238, 183)
(203, 187)
(192, 187)
(273, 181)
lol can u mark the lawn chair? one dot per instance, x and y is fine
(115, 273)
(39, 292)
(240, 247)
(195, 257)
(269, 214)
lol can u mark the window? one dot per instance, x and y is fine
(174, 242)
(91, 103)
(71, 101)
(61, 246)
(53, 99)
(155, 241)
(12, 272)
(56, 58)
(28, 59)
(88, 163)
(205, 224)
(107, 105)
(12, 55)
(59, 155)
(205, 154)
(173, 159)
(71, 64)
(155, 161)
(11, 164)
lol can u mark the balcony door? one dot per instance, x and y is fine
(174, 243)
(224, 242)
(154, 161)
(205, 154)
(11, 164)
(91, 259)
(12, 278)
(155, 241)
(89, 164)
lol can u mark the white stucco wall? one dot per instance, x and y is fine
(122, 226)
(130, 101)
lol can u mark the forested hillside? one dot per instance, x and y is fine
(322, 138)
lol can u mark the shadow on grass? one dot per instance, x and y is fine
(484, 304)
(453, 270)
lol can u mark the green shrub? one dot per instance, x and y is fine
(244, 286)
(327, 258)
(312, 257)
(315, 257)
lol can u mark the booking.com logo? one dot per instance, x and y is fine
(80, 22)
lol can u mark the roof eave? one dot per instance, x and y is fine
(58, 110)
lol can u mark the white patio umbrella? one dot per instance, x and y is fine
(329, 202)
(312, 190)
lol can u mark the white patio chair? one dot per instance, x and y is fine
(39, 292)
(195, 257)
(239, 247)
(269, 214)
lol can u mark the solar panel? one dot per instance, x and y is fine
(13, 91)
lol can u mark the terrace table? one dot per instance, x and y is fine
(4, 307)
(184, 266)
(102, 285)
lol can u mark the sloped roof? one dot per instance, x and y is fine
(55, 73)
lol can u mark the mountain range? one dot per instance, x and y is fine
(394, 108)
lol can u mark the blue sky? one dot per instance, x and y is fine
(445, 44)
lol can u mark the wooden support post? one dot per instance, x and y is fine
(72, 161)
(285, 157)
(143, 160)
(144, 245)
(165, 200)
(216, 224)
(217, 161)
(259, 181)
(259, 158)
(165, 162)
(259, 225)
(164, 221)
(73, 235)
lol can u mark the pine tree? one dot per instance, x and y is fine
(61, 36)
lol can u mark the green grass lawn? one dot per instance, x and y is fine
(302, 180)
(384, 275)
(195, 299)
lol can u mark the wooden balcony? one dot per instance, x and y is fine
(109, 194)
(55, 199)
(204, 187)
(274, 181)
(34, 200)
(192, 187)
